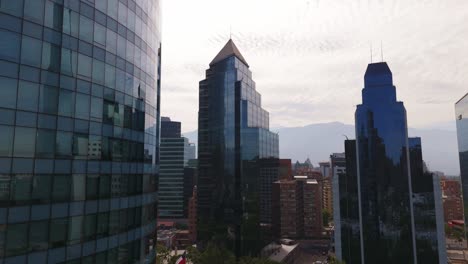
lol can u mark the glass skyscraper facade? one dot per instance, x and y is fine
(389, 208)
(79, 111)
(347, 225)
(461, 111)
(233, 137)
(384, 181)
(428, 222)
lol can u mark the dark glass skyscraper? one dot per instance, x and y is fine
(387, 202)
(428, 222)
(347, 225)
(384, 181)
(79, 111)
(233, 136)
(461, 110)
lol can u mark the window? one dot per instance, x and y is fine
(16, 239)
(70, 22)
(12, 7)
(48, 99)
(86, 29)
(6, 141)
(92, 186)
(90, 226)
(111, 41)
(38, 235)
(20, 190)
(84, 65)
(110, 76)
(104, 186)
(51, 57)
(96, 108)
(58, 232)
(101, 5)
(102, 224)
(30, 51)
(78, 187)
(98, 71)
(64, 144)
(53, 15)
(45, 143)
(28, 94)
(9, 46)
(69, 61)
(75, 228)
(8, 92)
(41, 188)
(61, 188)
(34, 10)
(99, 34)
(24, 142)
(80, 145)
(112, 7)
(82, 106)
(66, 105)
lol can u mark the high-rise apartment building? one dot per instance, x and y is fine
(79, 111)
(171, 172)
(233, 136)
(452, 199)
(297, 208)
(396, 219)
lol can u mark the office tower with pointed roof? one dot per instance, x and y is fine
(234, 137)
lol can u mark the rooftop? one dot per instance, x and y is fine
(230, 49)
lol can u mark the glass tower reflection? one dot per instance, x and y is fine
(79, 111)
(233, 137)
(461, 110)
(383, 172)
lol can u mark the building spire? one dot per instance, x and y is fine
(381, 51)
(230, 49)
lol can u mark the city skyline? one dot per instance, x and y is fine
(327, 59)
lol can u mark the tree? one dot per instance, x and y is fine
(163, 255)
(334, 260)
(217, 254)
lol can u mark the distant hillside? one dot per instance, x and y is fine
(318, 141)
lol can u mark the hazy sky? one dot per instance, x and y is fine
(308, 57)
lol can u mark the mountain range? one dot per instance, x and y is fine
(318, 141)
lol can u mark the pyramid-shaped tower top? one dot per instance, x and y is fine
(227, 51)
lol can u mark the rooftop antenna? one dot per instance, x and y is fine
(230, 31)
(371, 52)
(381, 50)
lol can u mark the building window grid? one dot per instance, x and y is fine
(47, 42)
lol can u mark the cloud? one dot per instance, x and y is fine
(308, 57)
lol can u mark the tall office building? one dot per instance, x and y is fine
(398, 222)
(79, 111)
(171, 172)
(461, 111)
(347, 232)
(190, 151)
(387, 227)
(428, 217)
(233, 136)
